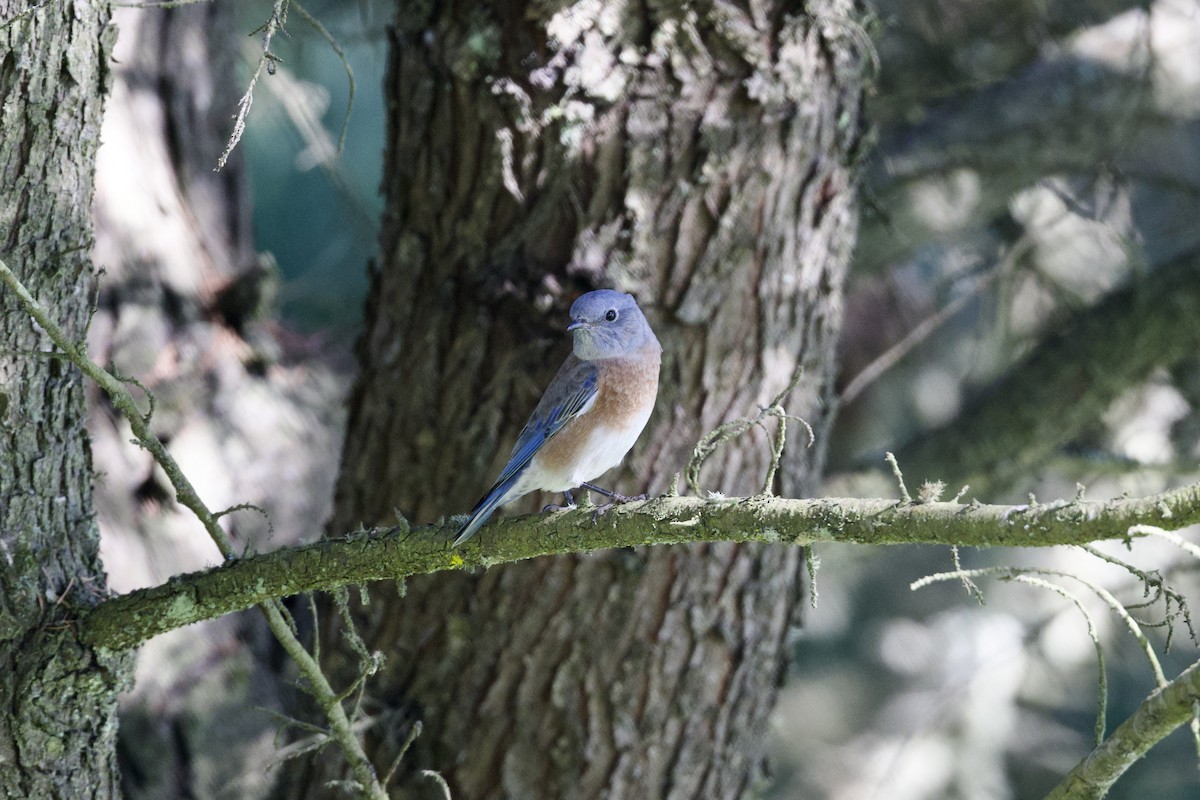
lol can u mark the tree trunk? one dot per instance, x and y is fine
(699, 157)
(58, 723)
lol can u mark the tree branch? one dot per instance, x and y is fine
(1159, 714)
(396, 553)
(923, 47)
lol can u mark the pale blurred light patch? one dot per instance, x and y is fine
(943, 736)
(826, 706)
(1085, 256)
(1064, 640)
(1176, 31)
(971, 665)
(892, 768)
(305, 104)
(937, 394)
(1118, 43)
(1140, 422)
(1167, 35)
(946, 203)
(1032, 304)
(907, 646)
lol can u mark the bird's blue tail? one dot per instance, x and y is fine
(484, 509)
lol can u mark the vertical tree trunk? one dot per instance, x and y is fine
(57, 697)
(698, 155)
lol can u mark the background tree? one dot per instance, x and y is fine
(702, 159)
(185, 304)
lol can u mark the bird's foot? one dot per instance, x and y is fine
(613, 496)
(570, 504)
(600, 511)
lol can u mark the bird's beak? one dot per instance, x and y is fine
(577, 324)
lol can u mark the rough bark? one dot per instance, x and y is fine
(699, 157)
(58, 695)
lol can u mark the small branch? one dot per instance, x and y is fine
(930, 325)
(1158, 715)
(341, 54)
(267, 60)
(277, 616)
(396, 553)
(905, 497)
(123, 401)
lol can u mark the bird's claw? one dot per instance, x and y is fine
(600, 511)
(615, 500)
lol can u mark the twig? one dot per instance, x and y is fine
(341, 54)
(905, 497)
(1011, 573)
(267, 60)
(734, 428)
(928, 326)
(1102, 680)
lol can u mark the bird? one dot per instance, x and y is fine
(592, 412)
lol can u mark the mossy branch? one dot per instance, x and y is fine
(1158, 715)
(397, 552)
(383, 553)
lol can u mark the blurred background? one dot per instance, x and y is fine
(1030, 202)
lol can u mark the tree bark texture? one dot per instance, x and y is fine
(182, 308)
(700, 156)
(58, 723)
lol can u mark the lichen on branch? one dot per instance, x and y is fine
(398, 552)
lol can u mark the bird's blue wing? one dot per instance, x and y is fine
(573, 389)
(571, 392)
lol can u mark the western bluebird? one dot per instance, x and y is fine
(592, 412)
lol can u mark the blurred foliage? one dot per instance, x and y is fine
(315, 211)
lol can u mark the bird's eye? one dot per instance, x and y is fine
(611, 315)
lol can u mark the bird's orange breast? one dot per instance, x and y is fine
(625, 393)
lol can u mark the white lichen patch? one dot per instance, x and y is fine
(182, 607)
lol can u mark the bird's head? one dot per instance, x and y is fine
(608, 324)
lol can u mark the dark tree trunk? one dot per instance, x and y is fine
(57, 697)
(699, 156)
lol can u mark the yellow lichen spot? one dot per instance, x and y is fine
(456, 560)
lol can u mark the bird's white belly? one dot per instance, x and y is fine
(606, 448)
